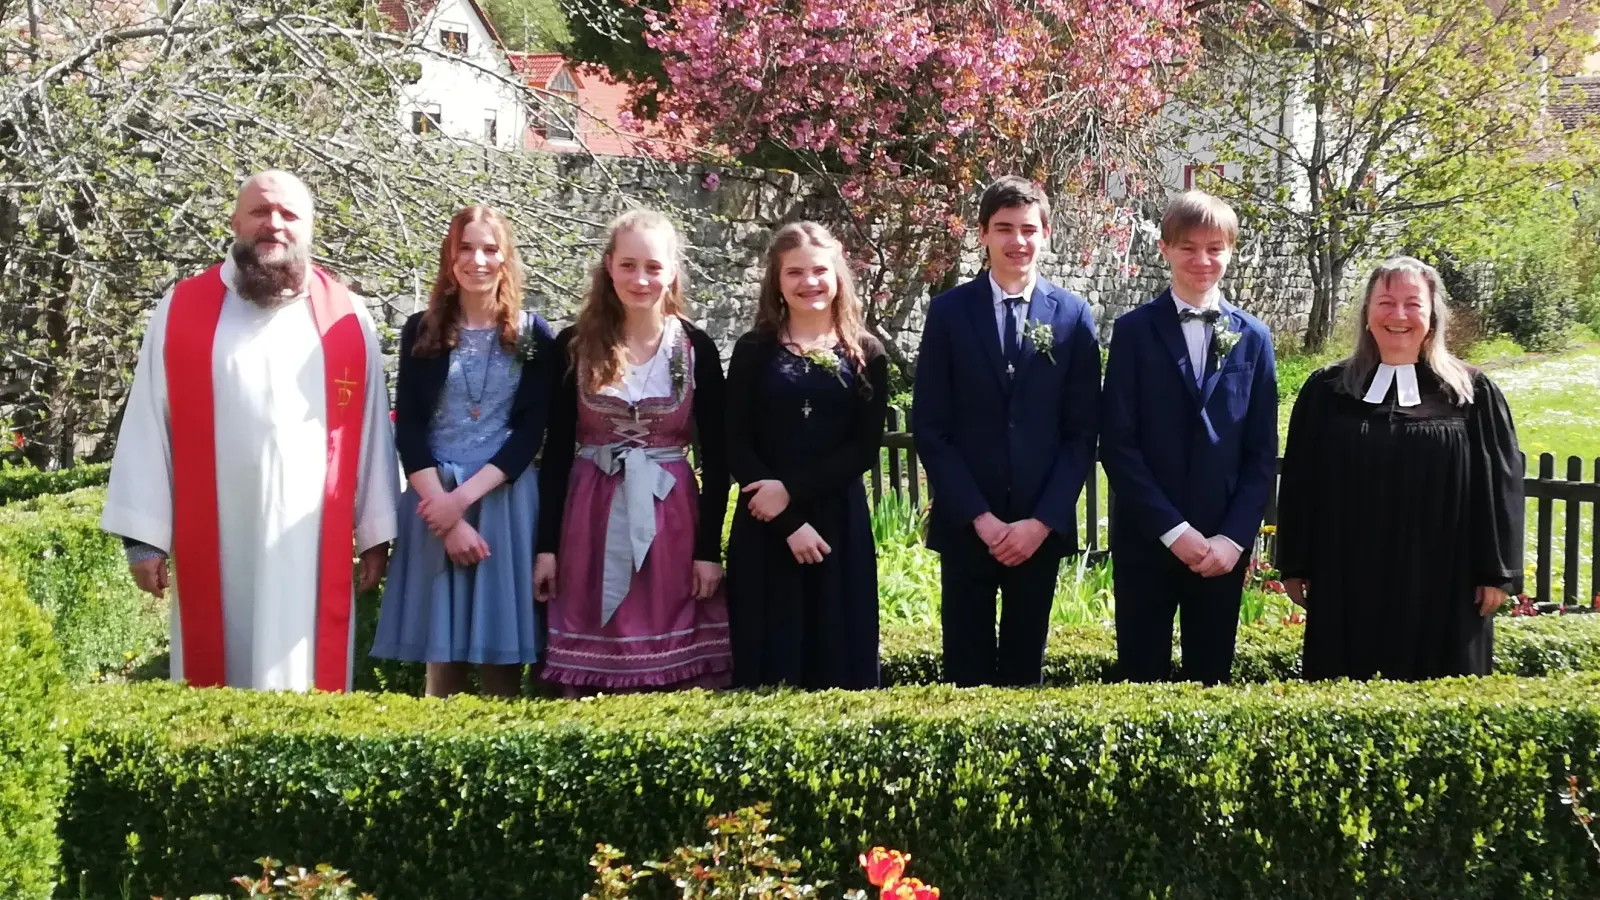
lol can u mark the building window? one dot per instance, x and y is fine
(1197, 176)
(425, 120)
(491, 126)
(453, 41)
(560, 113)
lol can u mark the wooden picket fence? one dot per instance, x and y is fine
(901, 474)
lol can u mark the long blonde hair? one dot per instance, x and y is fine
(772, 312)
(1452, 373)
(598, 352)
(440, 328)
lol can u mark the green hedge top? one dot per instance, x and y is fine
(24, 482)
(191, 716)
(1081, 654)
(1340, 790)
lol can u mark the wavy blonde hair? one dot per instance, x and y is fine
(1453, 374)
(440, 328)
(772, 311)
(598, 352)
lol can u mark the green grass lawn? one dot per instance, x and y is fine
(1555, 403)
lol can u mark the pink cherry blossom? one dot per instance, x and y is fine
(908, 107)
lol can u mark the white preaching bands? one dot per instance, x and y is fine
(1387, 375)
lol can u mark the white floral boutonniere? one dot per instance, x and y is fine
(827, 361)
(1223, 337)
(1044, 339)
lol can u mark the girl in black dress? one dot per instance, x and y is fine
(1400, 512)
(807, 395)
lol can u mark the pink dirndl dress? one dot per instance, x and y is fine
(637, 627)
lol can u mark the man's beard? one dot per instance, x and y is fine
(269, 284)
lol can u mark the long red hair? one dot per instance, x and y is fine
(441, 323)
(598, 352)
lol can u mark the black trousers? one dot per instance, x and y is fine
(1151, 585)
(968, 579)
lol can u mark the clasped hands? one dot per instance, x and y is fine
(770, 498)
(1011, 543)
(442, 512)
(1206, 557)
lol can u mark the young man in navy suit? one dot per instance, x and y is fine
(1189, 441)
(1004, 413)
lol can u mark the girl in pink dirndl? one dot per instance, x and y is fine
(630, 564)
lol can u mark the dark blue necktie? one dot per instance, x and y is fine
(1012, 348)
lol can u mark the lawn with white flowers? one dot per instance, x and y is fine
(1555, 402)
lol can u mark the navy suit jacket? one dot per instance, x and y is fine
(1019, 447)
(1176, 451)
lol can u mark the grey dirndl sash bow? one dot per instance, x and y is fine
(631, 523)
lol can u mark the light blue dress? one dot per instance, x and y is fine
(434, 610)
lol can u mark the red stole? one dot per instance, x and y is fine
(196, 308)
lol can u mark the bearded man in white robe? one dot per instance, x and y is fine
(256, 453)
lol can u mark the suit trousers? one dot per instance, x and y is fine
(968, 579)
(1151, 585)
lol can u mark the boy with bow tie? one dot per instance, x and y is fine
(1189, 440)
(1004, 414)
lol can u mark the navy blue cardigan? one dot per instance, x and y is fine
(421, 380)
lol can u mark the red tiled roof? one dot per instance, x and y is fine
(539, 68)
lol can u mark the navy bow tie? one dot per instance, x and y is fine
(1208, 316)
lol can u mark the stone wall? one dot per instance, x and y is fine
(728, 214)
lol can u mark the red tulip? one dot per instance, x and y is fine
(909, 889)
(884, 867)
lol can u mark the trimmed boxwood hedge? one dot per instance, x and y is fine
(79, 576)
(33, 767)
(25, 482)
(1290, 790)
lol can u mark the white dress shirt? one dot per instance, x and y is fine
(1387, 375)
(1022, 308)
(1197, 335)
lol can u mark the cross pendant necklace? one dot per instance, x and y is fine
(1011, 370)
(805, 409)
(473, 403)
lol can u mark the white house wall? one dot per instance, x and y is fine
(1194, 133)
(462, 94)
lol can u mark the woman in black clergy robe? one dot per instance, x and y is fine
(1400, 514)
